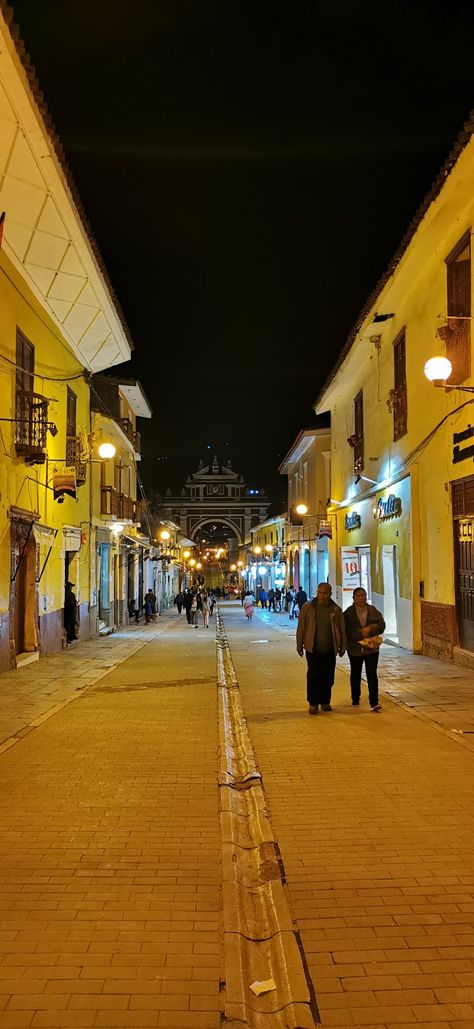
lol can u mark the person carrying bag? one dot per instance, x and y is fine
(364, 626)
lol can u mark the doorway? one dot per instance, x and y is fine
(464, 548)
(23, 591)
(364, 566)
(389, 568)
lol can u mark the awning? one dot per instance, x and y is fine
(44, 534)
(133, 539)
(183, 542)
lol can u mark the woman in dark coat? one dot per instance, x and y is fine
(364, 623)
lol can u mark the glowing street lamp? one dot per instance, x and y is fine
(164, 534)
(239, 564)
(438, 369)
(198, 566)
(192, 562)
(186, 554)
(268, 548)
(301, 509)
(107, 451)
(233, 568)
(257, 550)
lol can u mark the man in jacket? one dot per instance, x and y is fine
(321, 634)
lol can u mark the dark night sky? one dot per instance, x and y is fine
(248, 167)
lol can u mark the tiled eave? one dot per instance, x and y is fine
(46, 236)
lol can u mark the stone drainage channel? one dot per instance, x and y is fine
(261, 945)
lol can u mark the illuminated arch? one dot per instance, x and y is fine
(208, 519)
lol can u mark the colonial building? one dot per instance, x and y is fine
(215, 493)
(121, 550)
(265, 564)
(59, 322)
(402, 495)
(307, 466)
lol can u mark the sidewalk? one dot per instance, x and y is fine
(441, 692)
(32, 693)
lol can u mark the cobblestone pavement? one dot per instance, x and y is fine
(109, 850)
(442, 692)
(110, 847)
(31, 693)
(374, 815)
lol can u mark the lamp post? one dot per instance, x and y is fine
(438, 370)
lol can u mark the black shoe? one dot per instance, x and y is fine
(355, 703)
(376, 707)
(313, 709)
(326, 707)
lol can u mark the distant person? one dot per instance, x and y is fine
(301, 597)
(263, 597)
(205, 610)
(364, 625)
(149, 602)
(179, 600)
(278, 599)
(249, 605)
(271, 599)
(321, 635)
(187, 602)
(70, 613)
(289, 601)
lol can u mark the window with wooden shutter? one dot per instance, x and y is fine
(359, 432)
(457, 333)
(25, 363)
(399, 403)
(71, 402)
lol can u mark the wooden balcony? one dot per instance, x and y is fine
(108, 501)
(127, 428)
(137, 442)
(31, 426)
(126, 507)
(73, 459)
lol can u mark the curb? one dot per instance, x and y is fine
(260, 940)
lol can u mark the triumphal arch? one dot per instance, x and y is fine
(216, 494)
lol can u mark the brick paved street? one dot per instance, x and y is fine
(110, 846)
(374, 815)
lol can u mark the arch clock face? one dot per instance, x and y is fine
(215, 490)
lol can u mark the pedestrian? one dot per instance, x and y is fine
(70, 613)
(321, 634)
(205, 610)
(278, 598)
(301, 598)
(242, 595)
(289, 600)
(179, 600)
(148, 599)
(187, 601)
(249, 603)
(193, 611)
(271, 599)
(364, 625)
(133, 611)
(212, 601)
(263, 598)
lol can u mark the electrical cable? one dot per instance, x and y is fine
(41, 375)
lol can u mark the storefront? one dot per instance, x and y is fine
(373, 548)
(463, 532)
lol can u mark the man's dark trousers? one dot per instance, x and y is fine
(320, 677)
(371, 662)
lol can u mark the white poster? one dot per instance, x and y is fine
(350, 573)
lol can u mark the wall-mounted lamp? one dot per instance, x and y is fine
(438, 369)
(107, 450)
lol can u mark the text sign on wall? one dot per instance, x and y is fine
(459, 437)
(389, 507)
(352, 521)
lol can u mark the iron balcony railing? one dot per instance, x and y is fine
(73, 458)
(31, 426)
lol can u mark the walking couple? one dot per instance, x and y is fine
(324, 631)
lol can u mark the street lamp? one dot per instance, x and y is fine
(107, 450)
(438, 370)
(301, 509)
(257, 550)
(164, 534)
(186, 554)
(192, 562)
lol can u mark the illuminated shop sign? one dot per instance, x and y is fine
(352, 521)
(389, 507)
(459, 437)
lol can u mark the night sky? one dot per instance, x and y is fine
(249, 168)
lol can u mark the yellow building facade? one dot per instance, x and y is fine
(307, 467)
(402, 483)
(59, 323)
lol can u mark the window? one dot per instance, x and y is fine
(457, 334)
(359, 432)
(71, 401)
(399, 395)
(25, 363)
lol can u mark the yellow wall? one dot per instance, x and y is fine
(53, 361)
(416, 294)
